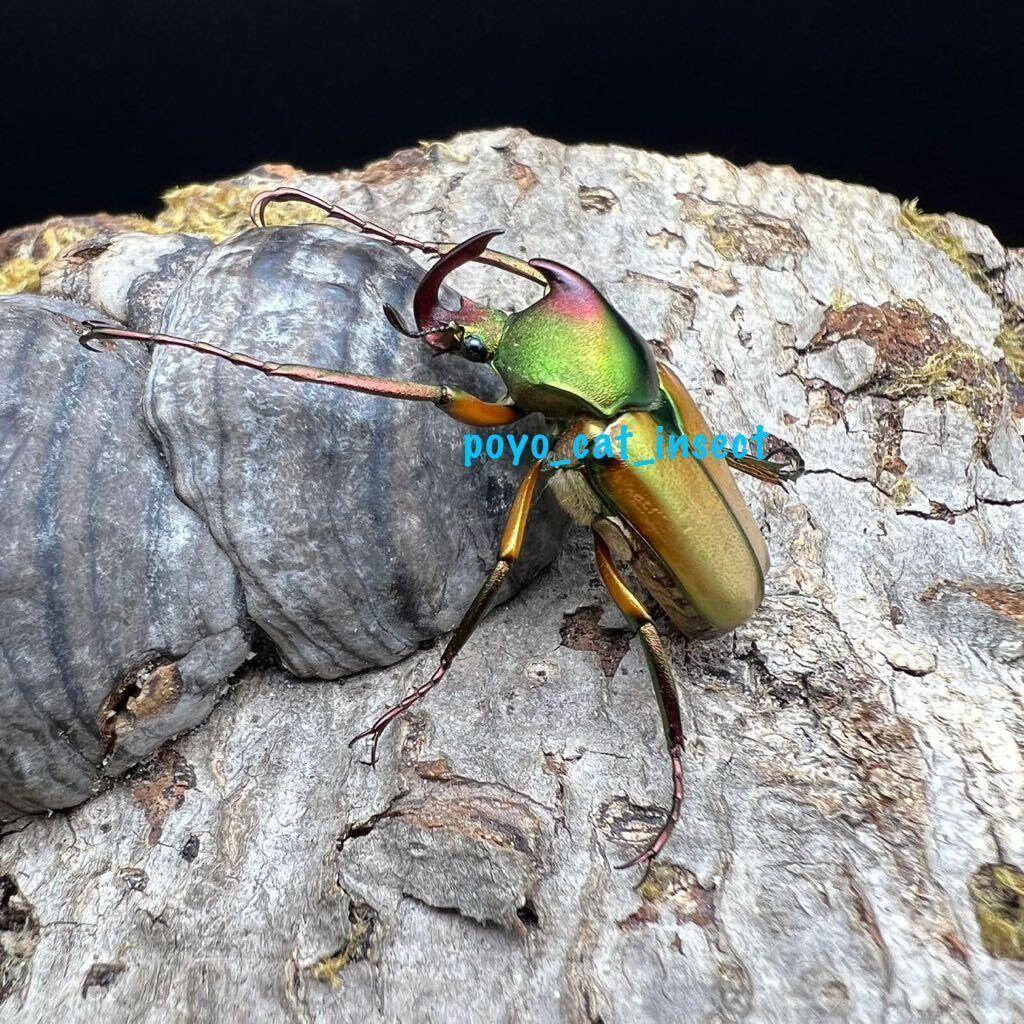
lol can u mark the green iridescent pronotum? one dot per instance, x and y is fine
(680, 525)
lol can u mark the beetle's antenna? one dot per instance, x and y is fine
(285, 194)
(399, 325)
(105, 333)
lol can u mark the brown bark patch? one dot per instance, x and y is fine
(524, 176)
(640, 918)
(676, 889)
(740, 233)
(721, 282)
(160, 789)
(101, 976)
(597, 199)
(144, 692)
(623, 821)
(581, 631)
(438, 770)
(917, 356)
(1014, 388)
(1007, 601)
(480, 820)
(956, 946)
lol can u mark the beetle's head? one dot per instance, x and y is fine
(569, 352)
(472, 331)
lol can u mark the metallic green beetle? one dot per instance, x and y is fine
(681, 524)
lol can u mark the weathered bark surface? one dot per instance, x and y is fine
(129, 276)
(852, 831)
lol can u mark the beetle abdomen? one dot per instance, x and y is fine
(582, 503)
(690, 516)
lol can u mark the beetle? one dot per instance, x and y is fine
(681, 525)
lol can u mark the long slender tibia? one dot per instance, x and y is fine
(456, 403)
(260, 202)
(664, 688)
(511, 546)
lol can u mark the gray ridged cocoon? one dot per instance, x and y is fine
(356, 531)
(103, 571)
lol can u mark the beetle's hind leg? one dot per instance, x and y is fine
(511, 545)
(782, 464)
(664, 686)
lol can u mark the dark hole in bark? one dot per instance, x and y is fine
(527, 913)
(101, 976)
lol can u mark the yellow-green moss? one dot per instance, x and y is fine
(946, 375)
(1010, 341)
(216, 211)
(936, 231)
(723, 241)
(357, 947)
(445, 149)
(221, 210)
(840, 299)
(901, 491)
(19, 274)
(997, 891)
(659, 882)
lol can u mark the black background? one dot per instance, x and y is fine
(106, 106)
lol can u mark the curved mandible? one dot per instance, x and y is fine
(426, 303)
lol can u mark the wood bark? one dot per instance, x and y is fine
(851, 844)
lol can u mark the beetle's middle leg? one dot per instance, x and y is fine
(661, 672)
(511, 545)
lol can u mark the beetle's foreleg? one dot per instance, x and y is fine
(260, 202)
(511, 545)
(661, 672)
(460, 405)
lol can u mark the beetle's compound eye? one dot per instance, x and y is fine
(474, 349)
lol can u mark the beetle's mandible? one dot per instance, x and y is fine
(681, 525)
